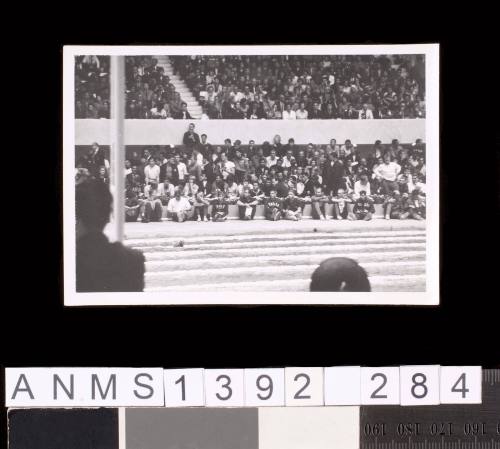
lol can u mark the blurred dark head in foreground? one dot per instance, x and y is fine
(339, 274)
(93, 205)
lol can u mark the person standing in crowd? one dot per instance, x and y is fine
(191, 139)
(96, 159)
(179, 207)
(102, 266)
(388, 172)
(152, 172)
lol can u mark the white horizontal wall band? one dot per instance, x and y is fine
(291, 386)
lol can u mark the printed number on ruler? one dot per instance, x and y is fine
(460, 385)
(184, 387)
(224, 388)
(380, 385)
(303, 386)
(419, 385)
(264, 387)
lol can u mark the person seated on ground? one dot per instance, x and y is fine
(179, 207)
(318, 201)
(273, 206)
(102, 266)
(201, 207)
(363, 208)
(166, 190)
(247, 205)
(339, 274)
(132, 206)
(152, 210)
(340, 202)
(396, 207)
(292, 207)
(220, 207)
(417, 204)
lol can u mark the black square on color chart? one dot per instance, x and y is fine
(63, 429)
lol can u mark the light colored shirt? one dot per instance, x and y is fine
(152, 174)
(180, 205)
(289, 115)
(389, 171)
(358, 187)
(162, 191)
(181, 167)
(368, 114)
(301, 115)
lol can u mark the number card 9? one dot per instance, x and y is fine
(265, 387)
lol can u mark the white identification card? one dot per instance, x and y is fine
(224, 388)
(264, 387)
(184, 387)
(303, 386)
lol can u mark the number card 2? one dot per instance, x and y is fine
(224, 388)
(380, 386)
(419, 385)
(184, 387)
(303, 386)
(460, 385)
(264, 387)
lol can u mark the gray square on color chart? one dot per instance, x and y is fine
(192, 428)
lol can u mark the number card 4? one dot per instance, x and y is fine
(460, 385)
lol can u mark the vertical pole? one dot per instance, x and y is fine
(117, 156)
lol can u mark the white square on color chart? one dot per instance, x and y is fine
(303, 386)
(343, 385)
(184, 387)
(461, 378)
(419, 385)
(265, 387)
(380, 386)
(224, 388)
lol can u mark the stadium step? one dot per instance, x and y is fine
(193, 106)
(394, 260)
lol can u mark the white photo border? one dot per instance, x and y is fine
(427, 298)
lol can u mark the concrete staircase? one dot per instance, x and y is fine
(193, 106)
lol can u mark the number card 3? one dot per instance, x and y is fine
(380, 386)
(419, 385)
(264, 387)
(460, 385)
(224, 388)
(184, 387)
(303, 386)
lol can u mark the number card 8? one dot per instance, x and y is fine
(419, 385)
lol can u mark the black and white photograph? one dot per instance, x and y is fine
(251, 175)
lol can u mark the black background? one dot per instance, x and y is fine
(39, 331)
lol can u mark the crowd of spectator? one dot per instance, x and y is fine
(306, 87)
(282, 176)
(260, 87)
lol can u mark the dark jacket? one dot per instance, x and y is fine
(102, 266)
(180, 115)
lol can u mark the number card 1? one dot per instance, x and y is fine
(460, 385)
(380, 386)
(184, 387)
(264, 387)
(224, 388)
(419, 385)
(303, 386)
